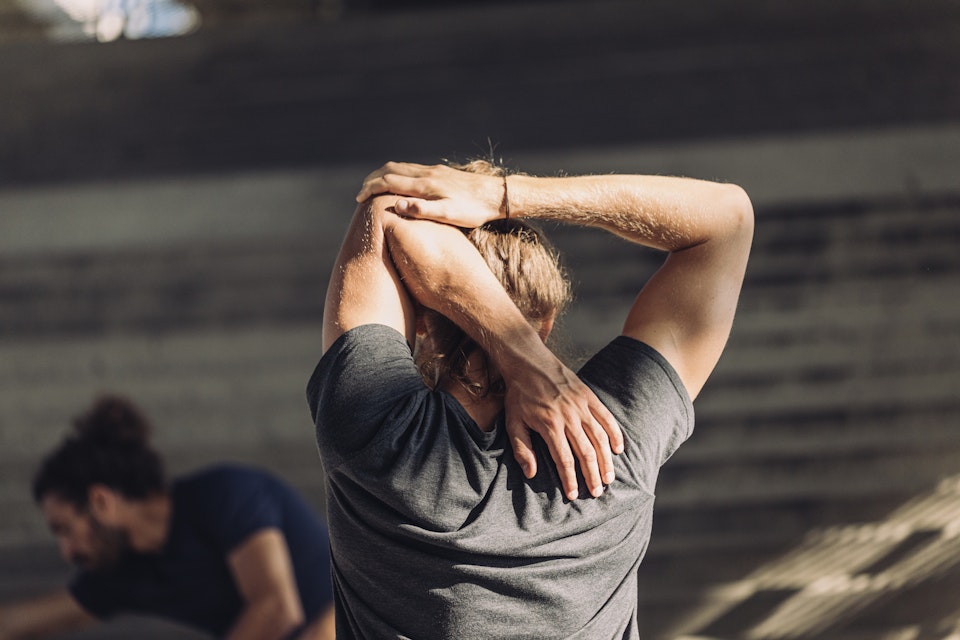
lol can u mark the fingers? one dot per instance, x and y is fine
(608, 423)
(595, 442)
(588, 443)
(566, 465)
(601, 444)
(523, 449)
(417, 208)
(392, 183)
(407, 207)
(573, 436)
(393, 177)
(593, 451)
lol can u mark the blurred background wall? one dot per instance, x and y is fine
(170, 208)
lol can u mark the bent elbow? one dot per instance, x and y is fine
(288, 621)
(738, 212)
(291, 611)
(282, 614)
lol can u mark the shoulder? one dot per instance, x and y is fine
(229, 502)
(221, 476)
(644, 392)
(366, 343)
(625, 361)
(362, 379)
(221, 487)
(373, 353)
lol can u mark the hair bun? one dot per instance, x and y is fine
(113, 420)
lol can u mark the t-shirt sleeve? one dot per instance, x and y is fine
(231, 504)
(648, 399)
(358, 383)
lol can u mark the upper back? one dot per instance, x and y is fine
(429, 513)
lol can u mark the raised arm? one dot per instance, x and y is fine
(685, 311)
(364, 285)
(386, 258)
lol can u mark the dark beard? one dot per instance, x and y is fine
(110, 546)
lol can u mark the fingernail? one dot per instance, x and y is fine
(402, 206)
(572, 495)
(597, 491)
(609, 477)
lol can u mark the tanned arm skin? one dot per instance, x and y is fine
(263, 573)
(685, 311)
(387, 263)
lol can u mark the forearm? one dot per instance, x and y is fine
(443, 271)
(665, 213)
(263, 573)
(266, 619)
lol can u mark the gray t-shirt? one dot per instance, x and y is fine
(435, 532)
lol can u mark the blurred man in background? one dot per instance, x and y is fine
(228, 550)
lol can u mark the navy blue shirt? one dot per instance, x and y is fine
(189, 581)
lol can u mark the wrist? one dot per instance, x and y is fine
(523, 352)
(517, 193)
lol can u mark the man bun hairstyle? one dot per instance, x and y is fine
(109, 446)
(520, 255)
(528, 267)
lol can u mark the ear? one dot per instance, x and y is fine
(103, 503)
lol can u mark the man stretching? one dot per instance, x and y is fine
(434, 367)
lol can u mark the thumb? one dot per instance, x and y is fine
(420, 208)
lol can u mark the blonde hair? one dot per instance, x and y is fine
(527, 266)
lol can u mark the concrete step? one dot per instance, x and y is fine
(244, 283)
(806, 477)
(149, 291)
(848, 265)
(831, 436)
(705, 72)
(839, 579)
